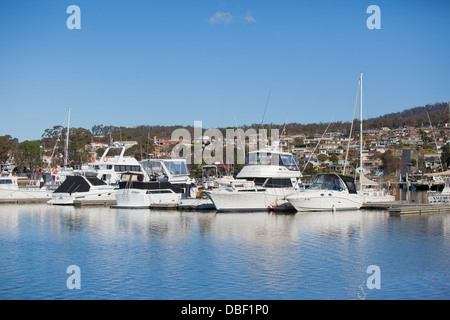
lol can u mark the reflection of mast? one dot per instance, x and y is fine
(67, 141)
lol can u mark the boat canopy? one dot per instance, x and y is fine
(333, 182)
(272, 158)
(78, 184)
(161, 167)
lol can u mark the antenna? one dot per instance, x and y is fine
(66, 151)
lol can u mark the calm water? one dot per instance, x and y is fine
(144, 254)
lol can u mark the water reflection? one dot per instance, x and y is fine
(156, 254)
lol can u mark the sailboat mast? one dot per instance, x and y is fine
(361, 134)
(66, 151)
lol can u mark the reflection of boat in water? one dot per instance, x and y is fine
(268, 176)
(327, 192)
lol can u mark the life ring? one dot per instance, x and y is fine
(140, 178)
(54, 170)
(93, 159)
(40, 170)
(105, 159)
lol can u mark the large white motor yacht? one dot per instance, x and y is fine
(327, 192)
(269, 175)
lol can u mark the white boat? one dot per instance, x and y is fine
(373, 192)
(327, 192)
(83, 190)
(369, 191)
(268, 176)
(442, 197)
(98, 183)
(109, 168)
(214, 176)
(10, 191)
(165, 183)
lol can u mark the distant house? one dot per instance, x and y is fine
(160, 141)
(94, 146)
(47, 159)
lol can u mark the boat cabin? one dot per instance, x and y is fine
(334, 182)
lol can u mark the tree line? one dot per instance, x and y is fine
(29, 153)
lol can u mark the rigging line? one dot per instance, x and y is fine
(57, 139)
(316, 146)
(435, 142)
(265, 109)
(351, 127)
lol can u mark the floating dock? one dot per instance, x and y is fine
(84, 203)
(398, 208)
(23, 201)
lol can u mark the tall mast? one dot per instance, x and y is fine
(361, 135)
(66, 151)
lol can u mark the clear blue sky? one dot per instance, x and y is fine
(173, 62)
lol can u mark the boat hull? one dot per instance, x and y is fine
(323, 200)
(92, 197)
(141, 198)
(251, 200)
(25, 194)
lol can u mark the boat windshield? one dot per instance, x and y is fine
(6, 181)
(274, 159)
(176, 167)
(327, 182)
(289, 161)
(153, 167)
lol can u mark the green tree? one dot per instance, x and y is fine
(7, 145)
(391, 163)
(445, 156)
(30, 153)
(334, 158)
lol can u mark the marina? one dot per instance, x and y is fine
(225, 151)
